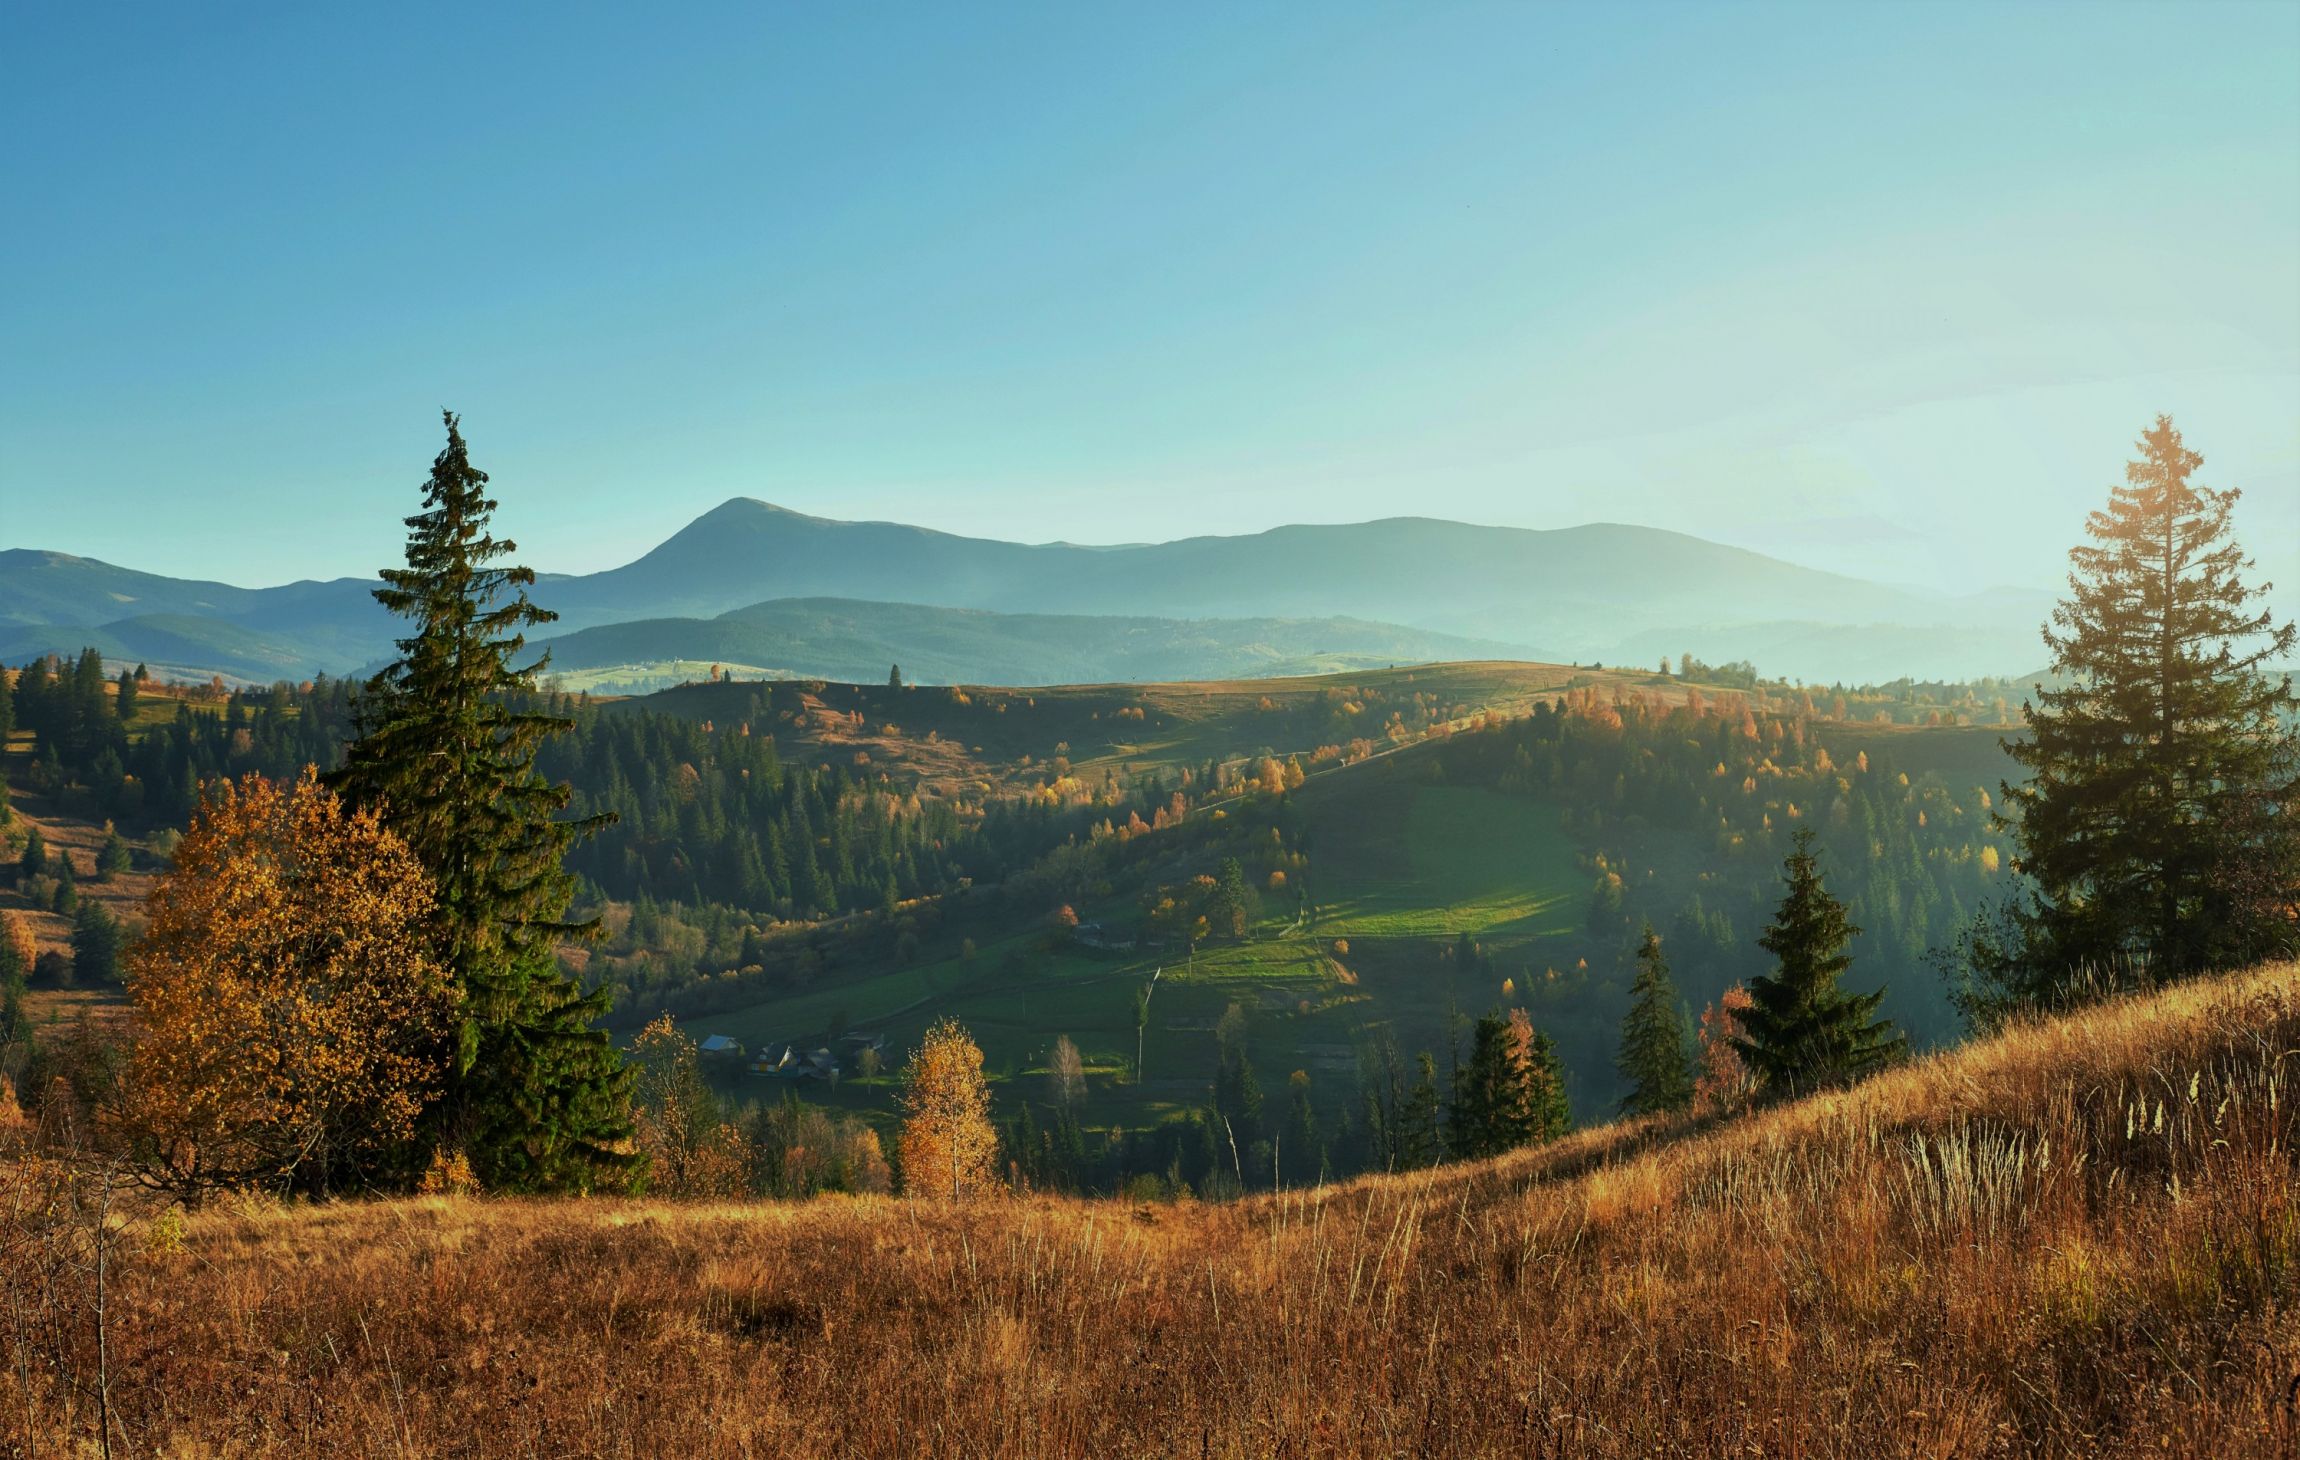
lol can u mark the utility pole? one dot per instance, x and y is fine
(1142, 1019)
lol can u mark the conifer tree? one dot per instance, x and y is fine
(1654, 1058)
(1237, 1094)
(1230, 910)
(96, 944)
(1510, 1094)
(1801, 1031)
(1545, 1096)
(1419, 1138)
(1301, 1148)
(538, 1099)
(2161, 826)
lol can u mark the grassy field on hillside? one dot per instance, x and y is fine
(1408, 860)
(2078, 1239)
(1443, 861)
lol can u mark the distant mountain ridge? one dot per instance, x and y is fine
(1596, 592)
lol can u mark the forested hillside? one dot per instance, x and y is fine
(1412, 848)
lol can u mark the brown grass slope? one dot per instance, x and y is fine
(2077, 1239)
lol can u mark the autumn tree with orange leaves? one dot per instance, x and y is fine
(949, 1148)
(691, 1149)
(292, 1021)
(1722, 1083)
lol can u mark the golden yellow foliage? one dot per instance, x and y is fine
(292, 1023)
(948, 1144)
(17, 933)
(690, 1151)
(449, 1174)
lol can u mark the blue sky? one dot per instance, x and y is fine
(1884, 288)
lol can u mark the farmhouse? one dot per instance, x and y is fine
(787, 1061)
(1101, 936)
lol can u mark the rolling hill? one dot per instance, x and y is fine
(2076, 1238)
(843, 639)
(1603, 592)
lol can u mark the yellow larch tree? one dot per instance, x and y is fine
(292, 1024)
(690, 1149)
(949, 1148)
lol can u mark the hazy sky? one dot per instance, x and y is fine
(1883, 288)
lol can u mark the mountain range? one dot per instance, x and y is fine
(720, 590)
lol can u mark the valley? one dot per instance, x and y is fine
(1406, 875)
(1392, 732)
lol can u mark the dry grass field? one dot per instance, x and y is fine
(2079, 1239)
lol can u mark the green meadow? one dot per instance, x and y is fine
(1371, 955)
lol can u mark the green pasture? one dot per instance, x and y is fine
(1410, 860)
(1423, 864)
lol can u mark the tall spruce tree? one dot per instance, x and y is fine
(1656, 1056)
(1552, 1114)
(1237, 1094)
(1802, 1031)
(2160, 829)
(1420, 1140)
(539, 1099)
(1510, 1094)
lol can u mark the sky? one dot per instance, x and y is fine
(1888, 289)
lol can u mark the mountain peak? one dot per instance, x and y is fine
(737, 509)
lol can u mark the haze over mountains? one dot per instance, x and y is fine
(1286, 600)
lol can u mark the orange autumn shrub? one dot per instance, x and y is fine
(292, 1024)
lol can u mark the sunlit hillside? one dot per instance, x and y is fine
(2077, 1239)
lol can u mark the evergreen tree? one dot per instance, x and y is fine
(1419, 1139)
(894, 677)
(34, 861)
(30, 693)
(1552, 1115)
(1237, 1095)
(2161, 825)
(1230, 910)
(538, 1099)
(125, 701)
(1801, 1031)
(1301, 1149)
(96, 945)
(1510, 1094)
(1655, 1043)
